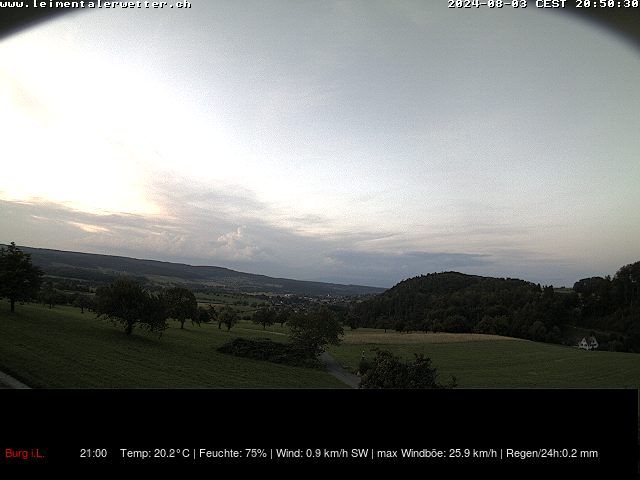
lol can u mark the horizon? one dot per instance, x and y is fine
(603, 275)
(358, 143)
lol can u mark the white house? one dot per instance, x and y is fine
(590, 344)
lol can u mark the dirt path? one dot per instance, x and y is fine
(334, 368)
(7, 381)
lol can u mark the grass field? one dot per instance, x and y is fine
(61, 348)
(242, 304)
(484, 361)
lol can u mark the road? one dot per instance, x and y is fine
(7, 381)
(334, 368)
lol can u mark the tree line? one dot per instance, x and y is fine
(438, 302)
(455, 302)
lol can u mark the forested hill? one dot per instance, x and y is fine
(451, 302)
(450, 282)
(455, 302)
(105, 268)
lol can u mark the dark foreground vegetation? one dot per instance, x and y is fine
(270, 351)
(387, 370)
(309, 335)
(19, 279)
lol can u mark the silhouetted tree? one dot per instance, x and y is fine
(203, 315)
(283, 316)
(390, 371)
(627, 284)
(19, 278)
(214, 316)
(181, 304)
(538, 331)
(82, 301)
(48, 295)
(265, 316)
(125, 301)
(228, 317)
(312, 332)
(352, 320)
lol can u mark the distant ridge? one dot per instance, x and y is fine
(104, 268)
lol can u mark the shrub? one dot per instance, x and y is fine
(270, 351)
(389, 371)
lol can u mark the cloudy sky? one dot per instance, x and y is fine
(348, 141)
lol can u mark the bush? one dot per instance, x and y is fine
(390, 371)
(364, 366)
(615, 346)
(312, 332)
(270, 351)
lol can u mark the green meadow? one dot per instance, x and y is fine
(62, 348)
(485, 361)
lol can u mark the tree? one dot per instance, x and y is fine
(627, 283)
(48, 295)
(82, 301)
(454, 324)
(19, 279)
(181, 304)
(538, 331)
(265, 316)
(554, 335)
(389, 371)
(352, 320)
(283, 316)
(213, 315)
(312, 332)
(125, 301)
(51, 296)
(228, 317)
(203, 315)
(384, 322)
(548, 291)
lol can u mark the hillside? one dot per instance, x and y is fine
(489, 361)
(62, 348)
(448, 301)
(458, 303)
(104, 268)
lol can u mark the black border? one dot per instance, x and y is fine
(61, 422)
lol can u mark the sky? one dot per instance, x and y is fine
(358, 142)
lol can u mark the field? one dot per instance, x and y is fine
(62, 348)
(485, 361)
(242, 304)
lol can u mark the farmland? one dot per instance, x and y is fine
(485, 361)
(62, 348)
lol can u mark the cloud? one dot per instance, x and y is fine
(88, 228)
(381, 267)
(228, 226)
(236, 245)
(26, 101)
